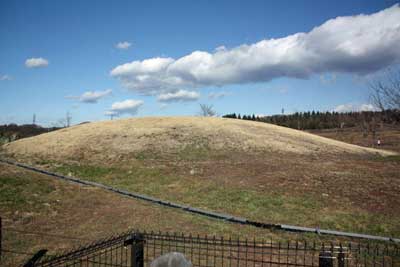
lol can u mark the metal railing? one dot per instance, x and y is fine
(139, 249)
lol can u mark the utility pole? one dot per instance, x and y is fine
(34, 119)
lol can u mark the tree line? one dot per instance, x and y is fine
(11, 132)
(326, 120)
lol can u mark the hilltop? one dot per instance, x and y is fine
(163, 136)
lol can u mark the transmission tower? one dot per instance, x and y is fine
(68, 119)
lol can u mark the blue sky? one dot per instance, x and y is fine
(63, 56)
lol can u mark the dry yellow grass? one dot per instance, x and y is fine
(111, 139)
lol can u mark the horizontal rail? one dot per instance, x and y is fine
(211, 214)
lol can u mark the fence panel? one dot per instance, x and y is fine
(140, 249)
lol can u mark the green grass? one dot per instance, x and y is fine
(395, 158)
(85, 171)
(23, 193)
(198, 149)
(270, 207)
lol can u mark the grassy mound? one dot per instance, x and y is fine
(163, 137)
(250, 169)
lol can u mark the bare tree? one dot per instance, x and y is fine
(385, 90)
(207, 110)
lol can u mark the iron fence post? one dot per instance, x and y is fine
(325, 259)
(136, 241)
(1, 237)
(340, 259)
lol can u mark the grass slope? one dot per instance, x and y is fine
(249, 169)
(37, 203)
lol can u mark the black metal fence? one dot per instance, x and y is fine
(138, 249)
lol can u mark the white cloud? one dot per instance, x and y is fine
(328, 78)
(217, 95)
(128, 106)
(94, 96)
(110, 113)
(91, 96)
(179, 96)
(36, 62)
(354, 107)
(146, 76)
(283, 89)
(123, 45)
(5, 77)
(359, 44)
(220, 48)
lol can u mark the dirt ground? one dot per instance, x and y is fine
(69, 215)
(388, 134)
